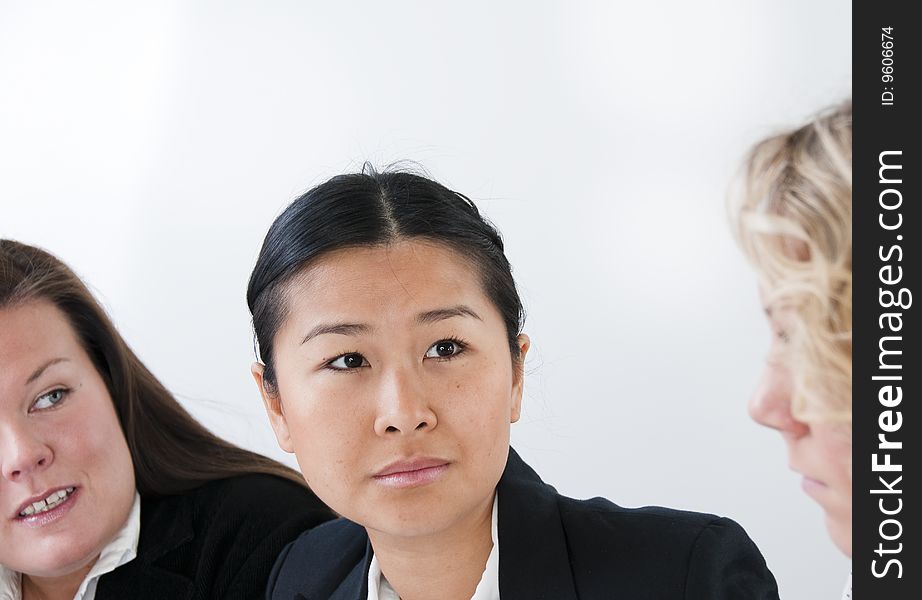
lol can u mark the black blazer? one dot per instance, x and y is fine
(218, 541)
(556, 548)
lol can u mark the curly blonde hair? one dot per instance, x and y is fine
(793, 219)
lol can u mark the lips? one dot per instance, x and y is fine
(812, 486)
(411, 472)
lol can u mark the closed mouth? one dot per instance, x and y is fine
(411, 473)
(409, 466)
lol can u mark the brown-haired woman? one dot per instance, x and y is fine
(109, 488)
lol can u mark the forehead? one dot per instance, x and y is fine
(36, 327)
(384, 281)
(34, 336)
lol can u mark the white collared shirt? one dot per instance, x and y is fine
(487, 588)
(847, 593)
(122, 549)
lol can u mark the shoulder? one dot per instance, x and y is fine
(340, 537)
(225, 535)
(255, 493)
(671, 526)
(598, 522)
(319, 560)
(695, 553)
(258, 502)
(642, 552)
(334, 534)
(249, 510)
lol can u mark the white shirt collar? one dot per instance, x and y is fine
(847, 593)
(122, 549)
(487, 588)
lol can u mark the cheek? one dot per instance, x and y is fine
(328, 425)
(840, 456)
(835, 452)
(104, 447)
(88, 433)
(91, 449)
(478, 405)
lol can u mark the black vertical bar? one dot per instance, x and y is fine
(886, 165)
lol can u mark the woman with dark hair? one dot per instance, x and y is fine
(389, 330)
(110, 489)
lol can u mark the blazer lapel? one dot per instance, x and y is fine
(355, 585)
(166, 524)
(169, 525)
(534, 562)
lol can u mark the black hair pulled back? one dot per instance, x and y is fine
(371, 209)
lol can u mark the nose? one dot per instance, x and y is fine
(21, 454)
(770, 404)
(403, 405)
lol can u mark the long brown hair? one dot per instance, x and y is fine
(171, 451)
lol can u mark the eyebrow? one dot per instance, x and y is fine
(440, 314)
(337, 328)
(38, 372)
(424, 318)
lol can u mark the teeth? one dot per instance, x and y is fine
(55, 496)
(47, 504)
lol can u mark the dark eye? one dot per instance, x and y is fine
(49, 399)
(444, 349)
(353, 360)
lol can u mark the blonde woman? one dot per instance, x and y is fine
(793, 220)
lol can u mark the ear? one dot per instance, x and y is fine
(518, 377)
(273, 404)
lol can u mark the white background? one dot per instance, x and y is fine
(151, 145)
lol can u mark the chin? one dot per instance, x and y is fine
(62, 556)
(840, 530)
(56, 565)
(408, 518)
(405, 523)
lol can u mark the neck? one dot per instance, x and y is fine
(63, 587)
(447, 564)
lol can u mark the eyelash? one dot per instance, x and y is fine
(64, 392)
(461, 344)
(329, 364)
(461, 349)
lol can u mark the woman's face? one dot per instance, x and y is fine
(67, 481)
(396, 388)
(820, 452)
